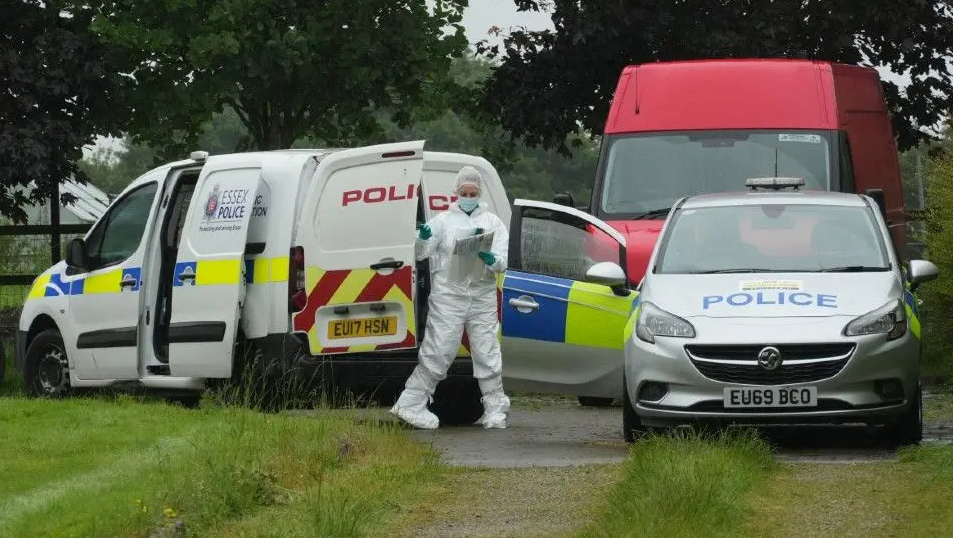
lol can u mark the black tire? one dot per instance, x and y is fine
(907, 429)
(632, 427)
(3, 362)
(457, 402)
(593, 401)
(45, 368)
(191, 401)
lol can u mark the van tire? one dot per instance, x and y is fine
(3, 363)
(45, 366)
(457, 402)
(907, 429)
(594, 401)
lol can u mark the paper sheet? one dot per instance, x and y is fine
(465, 265)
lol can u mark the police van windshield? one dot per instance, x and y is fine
(772, 238)
(647, 173)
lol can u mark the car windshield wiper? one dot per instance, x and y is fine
(853, 269)
(653, 213)
(738, 270)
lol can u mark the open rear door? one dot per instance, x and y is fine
(209, 286)
(357, 239)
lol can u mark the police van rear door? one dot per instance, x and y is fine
(356, 238)
(208, 285)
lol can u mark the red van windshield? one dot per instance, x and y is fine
(644, 174)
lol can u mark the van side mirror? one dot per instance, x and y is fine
(881, 199)
(921, 271)
(76, 255)
(609, 274)
(564, 198)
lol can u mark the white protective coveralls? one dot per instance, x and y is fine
(455, 305)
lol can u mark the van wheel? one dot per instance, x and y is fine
(593, 401)
(3, 363)
(457, 402)
(46, 369)
(907, 429)
(632, 427)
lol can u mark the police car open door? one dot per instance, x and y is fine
(208, 285)
(357, 240)
(565, 302)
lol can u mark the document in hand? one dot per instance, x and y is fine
(465, 265)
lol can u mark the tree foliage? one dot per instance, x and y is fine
(287, 68)
(548, 81)
(59, 92)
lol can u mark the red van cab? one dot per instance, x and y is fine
(678, 129)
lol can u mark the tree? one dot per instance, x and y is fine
(548, 81)
(287, 68)
(59, 92)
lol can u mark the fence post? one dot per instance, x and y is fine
(55, 225)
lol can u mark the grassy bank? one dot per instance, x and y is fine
(684, 486)
(94, 467)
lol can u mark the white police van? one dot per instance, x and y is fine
(306, 258)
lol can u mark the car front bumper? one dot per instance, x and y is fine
(855, 389)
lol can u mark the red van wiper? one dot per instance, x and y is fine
(653, 214)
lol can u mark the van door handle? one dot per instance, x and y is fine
(524, 304)
(127, 283)
(389, 264)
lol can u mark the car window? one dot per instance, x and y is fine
(117, 237)
(772, 238)
(556, 244)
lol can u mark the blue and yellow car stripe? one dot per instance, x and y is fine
(570, 311)
(206, 272)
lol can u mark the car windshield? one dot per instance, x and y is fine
(649, 172)
(772, 238)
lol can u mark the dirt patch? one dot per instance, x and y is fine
(512, 502)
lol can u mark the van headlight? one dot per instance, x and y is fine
(889, 319)
(653, 321)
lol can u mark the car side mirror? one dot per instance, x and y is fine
(564, 198)
(76, 254)
(881, 199)
(609, 274)
(921, 271)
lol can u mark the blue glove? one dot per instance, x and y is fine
(478, 231)
(488, 257)
(424, 232)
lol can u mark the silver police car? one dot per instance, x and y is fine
(776, 306)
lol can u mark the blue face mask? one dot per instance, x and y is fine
(468, 204)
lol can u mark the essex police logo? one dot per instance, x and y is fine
(212, 203)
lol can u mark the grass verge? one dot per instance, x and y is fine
(684, 485)
(126, 467)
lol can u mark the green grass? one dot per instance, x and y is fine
(684, 485)
(99, 467)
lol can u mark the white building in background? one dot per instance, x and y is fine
(89, 205)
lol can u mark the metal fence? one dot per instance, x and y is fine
(25, 252)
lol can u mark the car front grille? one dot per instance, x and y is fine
(801, 363)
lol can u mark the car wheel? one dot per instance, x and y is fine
(457, 402)
(907, 429)
(593, 401)
(632, 427)
(46, 369)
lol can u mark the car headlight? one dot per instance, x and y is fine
(653, 321)
(889, 319)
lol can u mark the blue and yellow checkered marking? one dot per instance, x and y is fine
(54, 285)
(913, 311)
(571, 312)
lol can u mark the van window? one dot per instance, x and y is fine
(772, 238)
(118, 235)
(647, 173)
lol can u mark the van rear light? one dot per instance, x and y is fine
(297, 294)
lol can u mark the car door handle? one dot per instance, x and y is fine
(389, 264)
(521, 303)
(127, 283)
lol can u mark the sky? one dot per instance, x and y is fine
(481, 15)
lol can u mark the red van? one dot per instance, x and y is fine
(682, 128)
